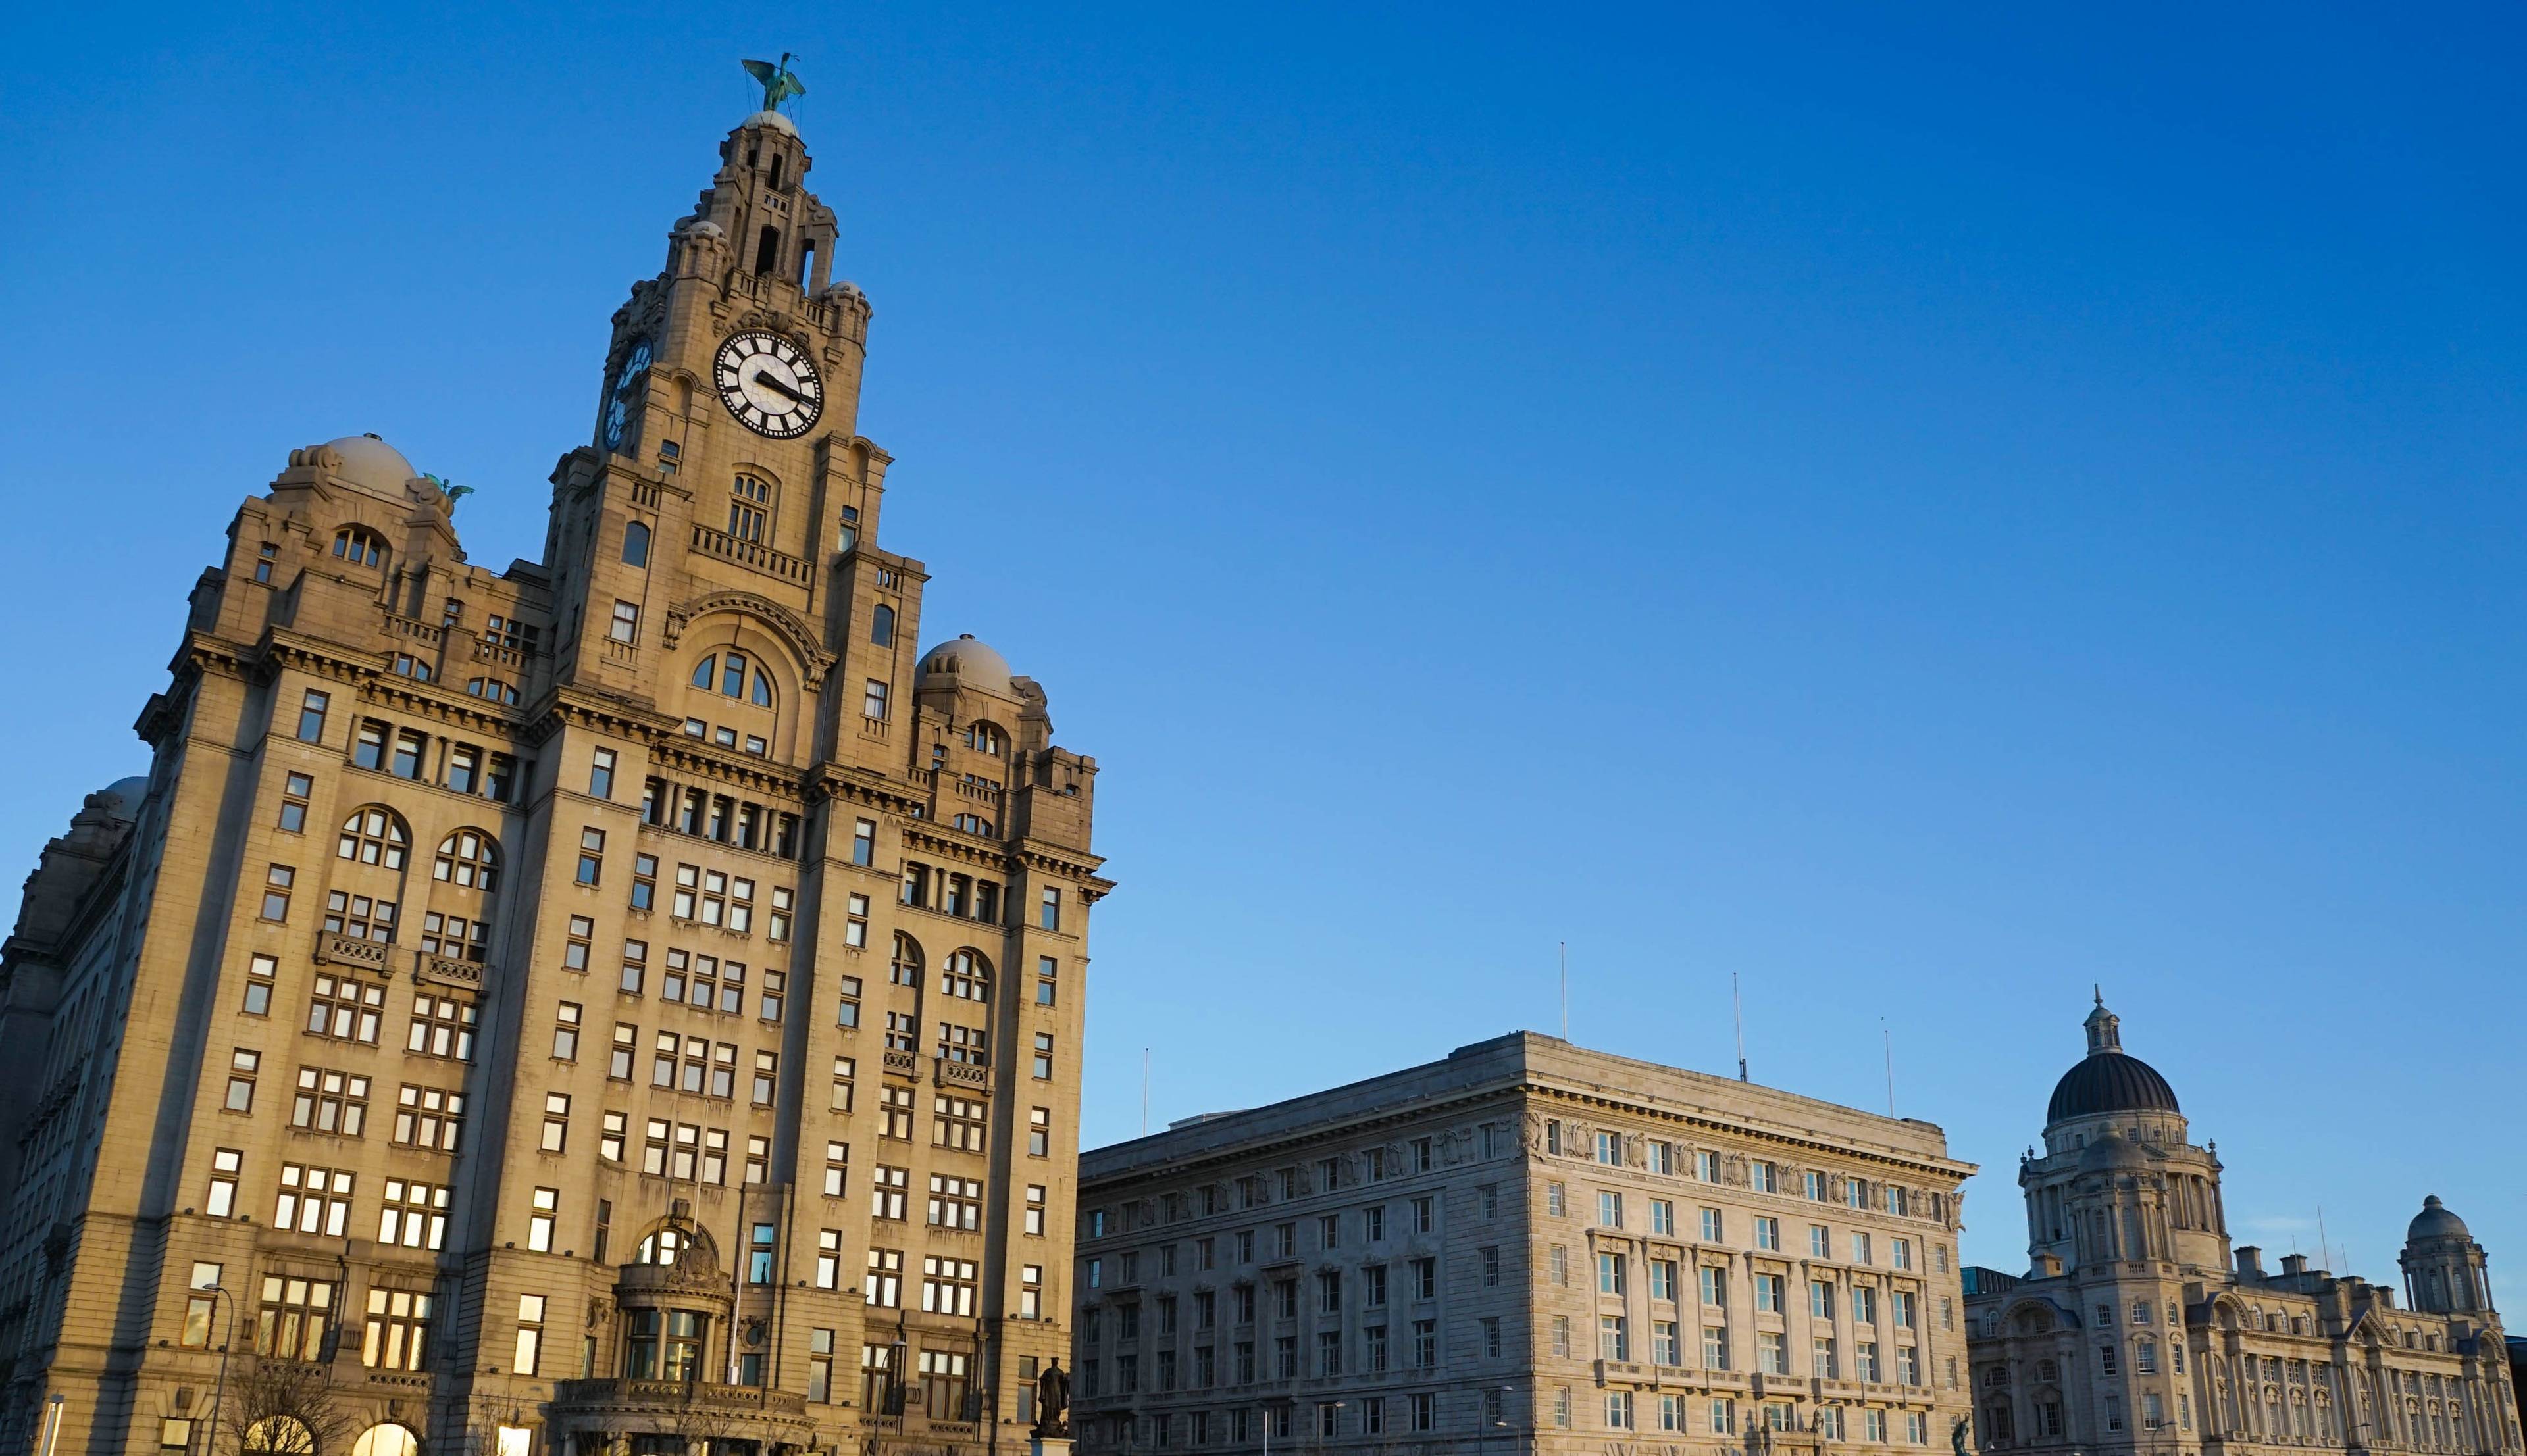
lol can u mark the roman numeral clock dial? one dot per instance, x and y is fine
(768, 384)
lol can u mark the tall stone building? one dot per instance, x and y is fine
(2139, 1330)
(1525, 1249)
(627, 999)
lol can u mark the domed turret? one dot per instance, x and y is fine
(372, 465)
(2436, 1221)
(2445, 1269)
(2109, 1079)
(965, 663)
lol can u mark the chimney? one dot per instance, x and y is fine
(2250, 1262)
(2294, 1263)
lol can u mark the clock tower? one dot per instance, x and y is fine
(726, 454)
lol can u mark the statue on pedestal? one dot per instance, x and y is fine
(1053, 1401)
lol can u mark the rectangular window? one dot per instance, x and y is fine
(626, 626)
(1048, 914)
(873, 700)
(277, 881)
(330, 1101)
(848, 1011)
(566, 1031)
(1715, 1347)
(313, 1200)
(442, 1027)
(601, 773)
(221, 1201)
(397, 1334)
(295, 789)
(345, 1009)
(311, 717)
(539, 1220)
(242, 1064)
(592, 855)
(1043, 1056)
(429, 1118)
(882, 1284)
(200, 1308)
(1613, 1338)
(1713, 1229)
(529, 1354)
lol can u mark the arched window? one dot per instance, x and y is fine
(749, 508)
(371, 837)
(725, 674)
(983, 738)
(360, 546)
(966, 975)
(661, 1247)
(905, 968)
(636, 544)
(882, 626)
(279, 1435)
(468, 859)
(767, 249)
(494, 690)
(388, 1439)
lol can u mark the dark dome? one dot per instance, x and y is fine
(2109, 1082)
(2436, 1221)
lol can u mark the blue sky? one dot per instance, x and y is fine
(1924, 511)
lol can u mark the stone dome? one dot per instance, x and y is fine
(2109, 1082)
(2114, 1150)
(969, 663)
(372, 464)
(2436, 1221)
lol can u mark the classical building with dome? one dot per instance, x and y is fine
(625, 1002)
(2139, 1330)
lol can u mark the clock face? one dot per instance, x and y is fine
(768, 384)
(618, 409)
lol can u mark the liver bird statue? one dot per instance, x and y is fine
(778, 84)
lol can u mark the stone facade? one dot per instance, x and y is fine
(628, 1000)
(1527, 1247)
(2138, 1329)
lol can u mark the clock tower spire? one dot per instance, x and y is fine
(726, 457)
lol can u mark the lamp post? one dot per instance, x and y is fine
(1497, 1423)
(219, 1389)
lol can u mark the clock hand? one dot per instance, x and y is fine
(765, 377)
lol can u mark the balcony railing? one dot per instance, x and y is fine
(664, 1397)
(351, 950)
(754, 554)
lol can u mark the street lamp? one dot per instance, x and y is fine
(1499, 1422)
(219, 1391)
